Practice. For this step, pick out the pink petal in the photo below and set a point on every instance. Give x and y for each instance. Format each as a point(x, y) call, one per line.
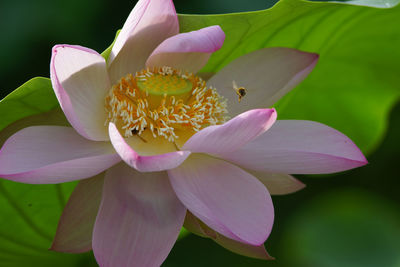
point(74, 231)
point(149, 23)
point(278, 183)
point(52, 117)
point(233, 134)
point(145, 163)
point(226, 198)
point(139, 219)
point(268, 74)
point(53, 154)
point(188, 51)
point(302, 147)
point(196, 226)
point(80, 81)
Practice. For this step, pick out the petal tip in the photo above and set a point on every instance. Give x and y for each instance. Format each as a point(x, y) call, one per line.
point(55, 48)
point(269, 258)
point(315, 59)
point(221, 35)
point(362, 162)
point(299, 186)
point(271, 116)
point(315, 56)
point(311, 59)
point(358, 158)
point(272, 112)
point(55, 247)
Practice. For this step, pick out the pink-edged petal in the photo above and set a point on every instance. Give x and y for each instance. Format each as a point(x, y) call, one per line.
point(139, 219)
point(226, 198)
point(52, 117)
point(188, 51)
point(74, 231)
point(149, 23)
point(145, 163)
point(300, 147)
point(278, 183)
point(230, 136)
point(53, 154)
point(268, 74)
point(197, 227)
point(80, 81)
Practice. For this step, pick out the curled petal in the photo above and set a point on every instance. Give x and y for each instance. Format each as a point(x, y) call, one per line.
point(197, 227)
point(74, 231)
point(149, 23)
point(80, 81)
point(226, 198)
point(144, 163)
point(188, 51)
point(300, 147)
point(268, 74)
point(53, 154)
point(139, 219)
point(230, 136)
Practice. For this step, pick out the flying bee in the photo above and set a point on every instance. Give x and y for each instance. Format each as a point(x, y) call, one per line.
point(240, 91)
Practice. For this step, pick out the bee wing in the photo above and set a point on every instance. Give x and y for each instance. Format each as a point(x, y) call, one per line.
point(231, 88)
point(234, 85)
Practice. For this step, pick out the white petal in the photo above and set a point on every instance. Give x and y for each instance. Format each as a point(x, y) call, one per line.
point(226, 198)
point(228, 137)
point(188, 51)
point(53, 154)
point(80, 81)
point(149, 23)
point(299, 147)
point(267, 74)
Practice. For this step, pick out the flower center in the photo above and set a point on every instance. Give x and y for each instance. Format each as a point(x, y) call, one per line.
point(165, 101)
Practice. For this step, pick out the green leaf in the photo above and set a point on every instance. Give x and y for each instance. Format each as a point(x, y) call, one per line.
point(356, 82)
point(106, 53)
point(29, 216)
point(33, 97)
point(347, 228)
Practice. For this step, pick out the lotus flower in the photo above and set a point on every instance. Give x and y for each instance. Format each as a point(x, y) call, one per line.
point(156, 149)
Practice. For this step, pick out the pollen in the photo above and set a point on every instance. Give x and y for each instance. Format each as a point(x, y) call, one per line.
point(164, 101)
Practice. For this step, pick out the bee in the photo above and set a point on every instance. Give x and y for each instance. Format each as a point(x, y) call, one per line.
point(240, 91)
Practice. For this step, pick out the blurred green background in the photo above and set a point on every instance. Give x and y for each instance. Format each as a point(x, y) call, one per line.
point(349, 219)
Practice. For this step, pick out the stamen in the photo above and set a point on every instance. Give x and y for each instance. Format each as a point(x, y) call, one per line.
point(163, 101)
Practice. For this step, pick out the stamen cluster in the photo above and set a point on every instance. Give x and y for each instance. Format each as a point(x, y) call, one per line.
point(134, 108)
